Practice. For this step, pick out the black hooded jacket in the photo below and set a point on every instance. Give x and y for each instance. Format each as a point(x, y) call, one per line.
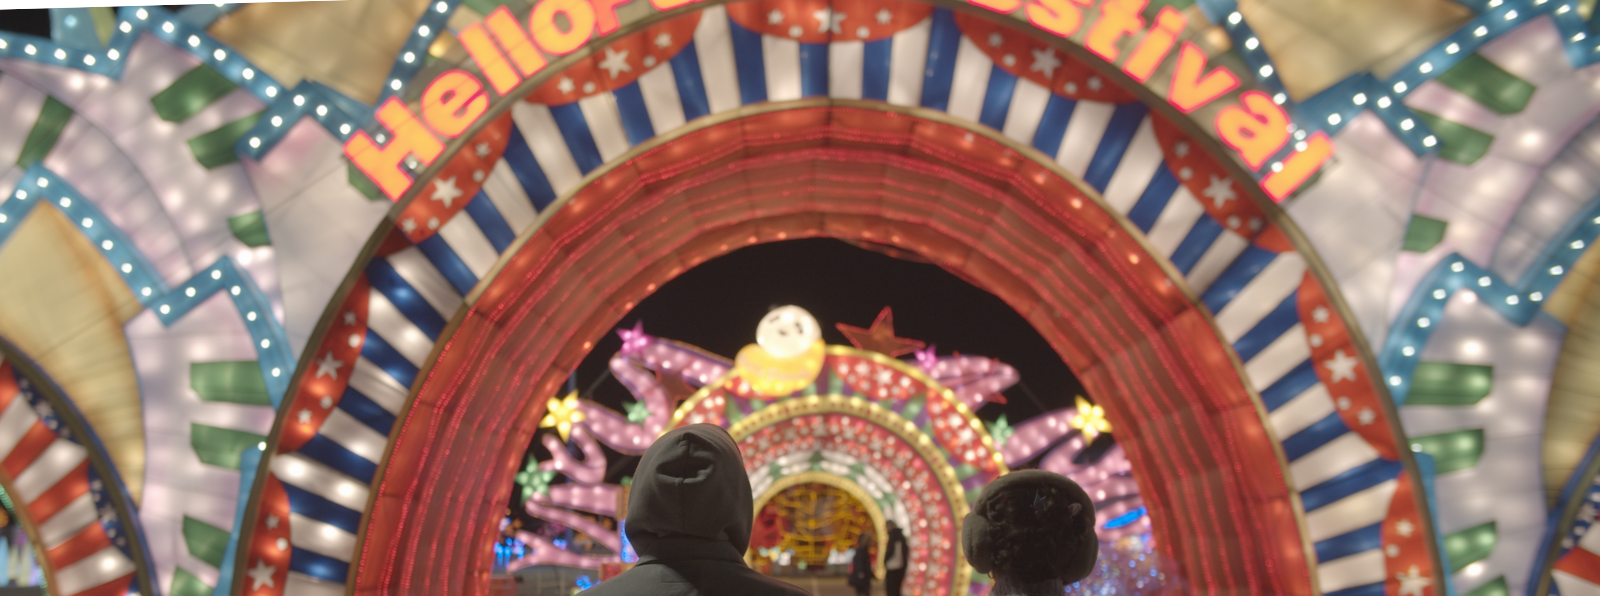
point(690, 514)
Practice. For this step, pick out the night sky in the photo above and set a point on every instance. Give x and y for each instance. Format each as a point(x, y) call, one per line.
point(717, 305)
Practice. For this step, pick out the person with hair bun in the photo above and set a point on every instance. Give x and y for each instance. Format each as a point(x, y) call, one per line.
point(1032, 532)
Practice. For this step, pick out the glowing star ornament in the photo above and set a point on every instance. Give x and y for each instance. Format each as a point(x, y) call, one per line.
point(786, 357)
point(880, 337)
point(1000, 430)
point(1091, 419)
point(638, 411)
point(534, 480)
point(563, 413)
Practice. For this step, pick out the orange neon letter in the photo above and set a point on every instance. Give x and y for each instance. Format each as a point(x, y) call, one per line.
point(1057, 16)
point(1155, 45)
point(1189, 90)
point(452, 102)
point(605, 12)
point(515, 41)
point(1117, 19)
point(1298, 168)
point(1000, 6)
point(580, 25)
point(1257, 128)
point(382, 165)
point(671, 4)
point(489, 59)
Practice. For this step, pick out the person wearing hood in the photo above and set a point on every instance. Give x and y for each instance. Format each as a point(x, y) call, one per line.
point(690, 512)
point(895, 557)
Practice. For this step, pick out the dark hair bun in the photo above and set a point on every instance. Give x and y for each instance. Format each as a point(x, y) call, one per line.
point(1032, 526)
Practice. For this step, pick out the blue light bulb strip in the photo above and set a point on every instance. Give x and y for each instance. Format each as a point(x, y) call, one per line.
point(41, 186)
point(338, 114)
point(1518, 303)
point(177, 32)
point(432, 22)
point(1335, 106)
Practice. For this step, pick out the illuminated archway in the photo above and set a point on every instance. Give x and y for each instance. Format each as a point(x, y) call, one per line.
point(1089, 285)
point(1252, 270)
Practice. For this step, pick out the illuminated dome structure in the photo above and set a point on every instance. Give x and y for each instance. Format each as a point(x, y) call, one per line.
point(290, 288)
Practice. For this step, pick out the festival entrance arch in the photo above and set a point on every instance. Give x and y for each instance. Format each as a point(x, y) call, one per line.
point(448, 389)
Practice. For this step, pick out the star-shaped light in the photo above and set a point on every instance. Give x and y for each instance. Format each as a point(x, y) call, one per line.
point(1000, 430)
point(880, 337)
point(616, 62)
point(828, 20)
point(565, 85)
point(349, 317)
point(562, 414)
point(261, 575)
point(409, 225)
point(1413, 583)
point(1404, 527)
point(304, 416)
point(638, 411)
point(884, 16)
point(1342, 366)
point(272, 522)
point(1045, 61)
point(1091, 419)
point(664, 40)
point(534, 480)
point(633, 339)
point(329, 366)
point(1220, 190)
point(1320, 314)
point(1367, 416)
point(445, 191)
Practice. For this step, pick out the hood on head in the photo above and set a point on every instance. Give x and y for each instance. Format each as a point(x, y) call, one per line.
point(691, 483)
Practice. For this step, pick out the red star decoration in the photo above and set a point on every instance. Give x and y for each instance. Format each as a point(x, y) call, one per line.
point(880, 337)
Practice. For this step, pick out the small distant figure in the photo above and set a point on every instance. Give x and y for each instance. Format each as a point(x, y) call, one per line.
point(894, 560)
point(690, 513)
point(1033, 532)
point(861, 565)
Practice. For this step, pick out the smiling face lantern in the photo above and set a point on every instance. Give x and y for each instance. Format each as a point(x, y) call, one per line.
point(786, 357)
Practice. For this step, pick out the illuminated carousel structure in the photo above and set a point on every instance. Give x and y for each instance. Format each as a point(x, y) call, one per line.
point(902, 437)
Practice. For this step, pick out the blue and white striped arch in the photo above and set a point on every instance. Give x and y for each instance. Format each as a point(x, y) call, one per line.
point(412, 291)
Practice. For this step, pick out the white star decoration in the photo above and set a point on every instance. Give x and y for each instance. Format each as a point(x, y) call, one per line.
point(304, 416)
point(272, 522)
point(995, 40)
point(1392, 550)
point(1045, 61)
point(1404, 527)
point(349, 317)
point(328, 365)
point(445, 191)
point(1413, 583)
point(1220, 191)
point(1342, 366)
point(616, 62)
point(565, 85)
point(884, 16)
point(1367, 416)
point(261, 575)
point(774, 17)
point(664, 40)
point(1320, 314)
point(828, 20)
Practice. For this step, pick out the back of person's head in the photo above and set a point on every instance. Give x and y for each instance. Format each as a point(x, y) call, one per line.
point(691, 483)
point(1033, 532)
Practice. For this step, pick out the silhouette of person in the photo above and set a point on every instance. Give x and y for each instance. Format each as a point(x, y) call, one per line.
point(690, 513)
point(861, 565)
point(896, 557)
point(1033, 532)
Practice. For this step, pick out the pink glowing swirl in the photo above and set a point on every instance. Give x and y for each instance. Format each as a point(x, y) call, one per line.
point(972, 378)
point(542, 552)
point(591, 470)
